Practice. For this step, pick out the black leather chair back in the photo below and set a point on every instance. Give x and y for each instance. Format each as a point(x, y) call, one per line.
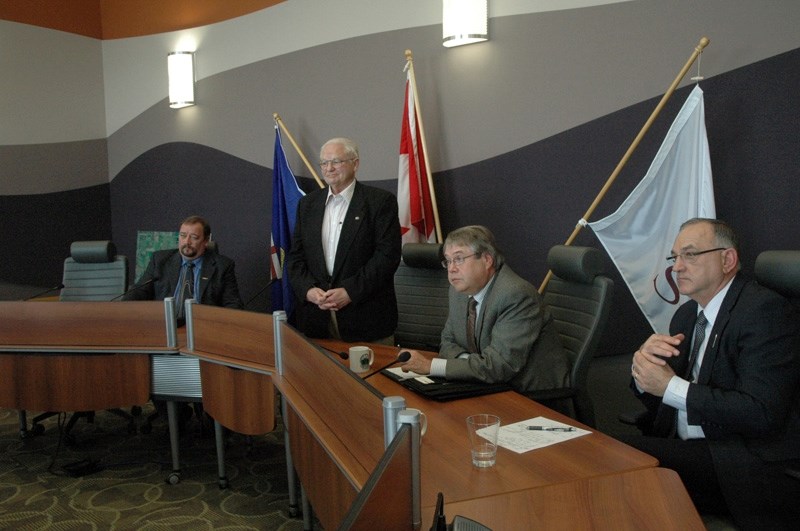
point(421, 286)
point(579, 297)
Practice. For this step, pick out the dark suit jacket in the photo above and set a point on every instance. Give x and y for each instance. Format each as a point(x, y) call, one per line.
point(218, 285)
point(516, 336)
point(746, 396)
point(366, 259)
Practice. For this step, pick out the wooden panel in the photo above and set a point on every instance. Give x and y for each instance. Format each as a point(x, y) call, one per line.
point(123, 18)
point(651, 499)
point(83, 325)
point(70, 382)
point(328, 489)
point(352, 409)
point(387, 496)
point(240, 400)
point(234, 335)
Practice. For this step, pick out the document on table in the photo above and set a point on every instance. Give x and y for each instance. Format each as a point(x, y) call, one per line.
point(397, 371)
point(518, 438)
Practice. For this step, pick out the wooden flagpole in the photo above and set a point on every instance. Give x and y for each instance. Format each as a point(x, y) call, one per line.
point(584, 220)
point(278, 120)
point(410, 65)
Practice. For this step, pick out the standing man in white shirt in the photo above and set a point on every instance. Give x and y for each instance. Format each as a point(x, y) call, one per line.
point(345, 251)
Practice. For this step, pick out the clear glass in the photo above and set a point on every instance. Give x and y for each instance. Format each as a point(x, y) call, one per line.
point(483, 430)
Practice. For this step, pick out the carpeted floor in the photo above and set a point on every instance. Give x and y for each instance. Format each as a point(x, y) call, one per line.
point(130, 492)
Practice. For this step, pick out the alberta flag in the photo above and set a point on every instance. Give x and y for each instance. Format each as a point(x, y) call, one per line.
point(413, 195)
point(285, 196)
point(640, 234)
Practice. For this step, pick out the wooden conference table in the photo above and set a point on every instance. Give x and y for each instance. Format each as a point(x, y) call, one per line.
point(48, 335)
point(446, 460)
point(79, 356)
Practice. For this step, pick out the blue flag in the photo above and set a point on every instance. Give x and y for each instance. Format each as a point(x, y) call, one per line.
point(285, 196)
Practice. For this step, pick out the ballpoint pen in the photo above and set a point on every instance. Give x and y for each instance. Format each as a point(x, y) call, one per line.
point(551, 428)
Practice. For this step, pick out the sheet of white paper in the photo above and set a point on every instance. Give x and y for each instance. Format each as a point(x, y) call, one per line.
point(518, 438)
point(397, 371)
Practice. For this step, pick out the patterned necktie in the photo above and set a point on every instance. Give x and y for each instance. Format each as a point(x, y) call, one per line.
point(471, 318)
point(699, 336)
point(187, 290)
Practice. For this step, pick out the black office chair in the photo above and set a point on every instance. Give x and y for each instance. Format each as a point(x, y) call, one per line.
point(780, 271)
point(579, 297)
point(422, 289)
point(93, 272)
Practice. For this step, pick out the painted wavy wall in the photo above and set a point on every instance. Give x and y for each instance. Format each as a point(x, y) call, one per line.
point(523, 130)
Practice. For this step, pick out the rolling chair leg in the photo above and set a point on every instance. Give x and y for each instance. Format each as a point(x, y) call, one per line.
point(220, 441)
point(172, 418)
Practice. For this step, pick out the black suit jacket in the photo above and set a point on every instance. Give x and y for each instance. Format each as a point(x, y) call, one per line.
point(746, 396)
point(366, 259)
point(218, 285)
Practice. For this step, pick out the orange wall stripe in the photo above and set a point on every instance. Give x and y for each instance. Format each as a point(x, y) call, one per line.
point(116, 19)
point(74, 16)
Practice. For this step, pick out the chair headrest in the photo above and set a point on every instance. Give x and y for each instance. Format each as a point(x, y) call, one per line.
point(576, 264)
point(780, 271)
point(423, 255)
point(93, 252)
point(212, 247)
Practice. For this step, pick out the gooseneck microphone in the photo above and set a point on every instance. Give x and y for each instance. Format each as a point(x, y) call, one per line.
point(403, 357)
point(343, 355)
point(134, 288)
point(48, 290)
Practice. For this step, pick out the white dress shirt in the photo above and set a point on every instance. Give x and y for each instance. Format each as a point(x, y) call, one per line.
point(335, 210)
point(678, 388)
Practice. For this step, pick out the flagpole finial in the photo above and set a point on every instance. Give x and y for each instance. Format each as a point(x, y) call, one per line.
point(276, 116)
point(408, 55)
point(702, 44)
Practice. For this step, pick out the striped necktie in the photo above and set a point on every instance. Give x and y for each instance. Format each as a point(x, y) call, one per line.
point(472, 315)
point(699, 336)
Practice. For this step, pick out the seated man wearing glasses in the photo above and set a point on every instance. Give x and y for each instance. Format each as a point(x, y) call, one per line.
point(345, 251)
point(722, 388)
point(497, 328)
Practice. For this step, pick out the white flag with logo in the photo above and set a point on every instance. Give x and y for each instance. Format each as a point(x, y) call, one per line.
point(640, 234)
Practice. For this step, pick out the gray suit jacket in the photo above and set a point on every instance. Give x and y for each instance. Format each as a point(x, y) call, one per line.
point(516, 337)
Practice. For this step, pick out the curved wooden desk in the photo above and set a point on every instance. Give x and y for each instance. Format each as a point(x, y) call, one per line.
point(446, 461)
point(78, 356)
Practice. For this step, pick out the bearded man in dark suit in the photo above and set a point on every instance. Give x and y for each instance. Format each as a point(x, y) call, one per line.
point(214, 275)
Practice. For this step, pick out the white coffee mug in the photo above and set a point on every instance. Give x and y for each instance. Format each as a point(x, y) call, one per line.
point(361, 358)
point(423, 420)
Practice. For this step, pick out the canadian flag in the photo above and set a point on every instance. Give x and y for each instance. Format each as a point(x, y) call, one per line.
point(413, 195)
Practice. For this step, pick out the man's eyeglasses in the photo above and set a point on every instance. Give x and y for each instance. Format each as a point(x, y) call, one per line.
point(690, 257)
point(458, 260)
point(336, 163)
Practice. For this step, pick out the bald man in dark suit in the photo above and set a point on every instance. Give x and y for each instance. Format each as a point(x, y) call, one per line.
point(345, 251)
point(726, 413)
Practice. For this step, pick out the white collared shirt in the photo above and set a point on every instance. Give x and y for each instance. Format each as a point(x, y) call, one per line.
point(336, 206)
point(678, 388)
